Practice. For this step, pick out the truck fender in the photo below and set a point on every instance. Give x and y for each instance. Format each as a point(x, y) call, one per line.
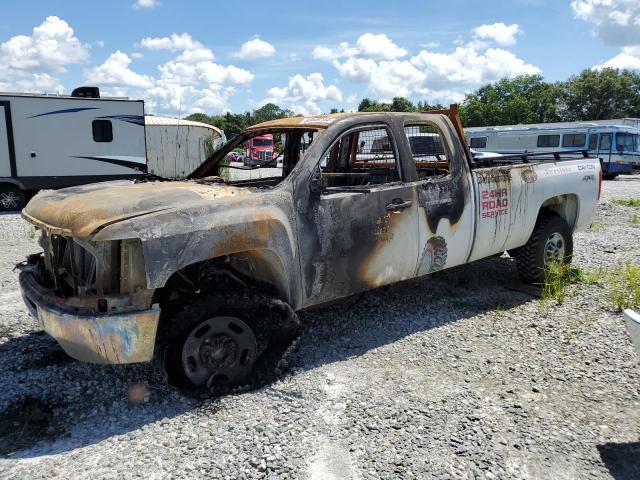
point(262, 249)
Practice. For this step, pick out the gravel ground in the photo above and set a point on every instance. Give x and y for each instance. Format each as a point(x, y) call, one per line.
point(456, 376)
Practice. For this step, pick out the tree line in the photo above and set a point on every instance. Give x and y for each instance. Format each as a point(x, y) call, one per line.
point(590, 95)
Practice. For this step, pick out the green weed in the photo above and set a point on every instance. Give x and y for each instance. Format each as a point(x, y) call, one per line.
point(626, 287)
point(596, 227)
point(630, 202)
point(557, 278)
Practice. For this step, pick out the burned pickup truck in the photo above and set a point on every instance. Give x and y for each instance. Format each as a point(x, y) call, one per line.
point(206, 274)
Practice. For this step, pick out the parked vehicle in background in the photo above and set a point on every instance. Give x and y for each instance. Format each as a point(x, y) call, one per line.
point(54, 141)
point(259, 151)
point(235, 156)
point(617, 145)
point(176, 147)
point(206, 274)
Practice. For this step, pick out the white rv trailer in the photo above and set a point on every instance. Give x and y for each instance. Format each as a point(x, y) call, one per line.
point(176, 147)
point(618, 145)
point(53, 141)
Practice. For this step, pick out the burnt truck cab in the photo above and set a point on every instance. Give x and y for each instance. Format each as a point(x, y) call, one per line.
point(355, 206)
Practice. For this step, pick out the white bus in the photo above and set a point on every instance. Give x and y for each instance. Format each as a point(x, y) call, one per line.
point(618, 146)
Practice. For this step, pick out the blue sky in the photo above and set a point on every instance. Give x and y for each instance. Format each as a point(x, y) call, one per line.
point(182, 57)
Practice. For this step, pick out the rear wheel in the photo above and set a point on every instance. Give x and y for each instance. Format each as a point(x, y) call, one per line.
point(222, 344)
point(551, 240)
point(12, 198)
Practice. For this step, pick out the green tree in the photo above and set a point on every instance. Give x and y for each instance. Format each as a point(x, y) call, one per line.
point(269, 111)
point(401, 104)
point(601, 94)
point(523, 99)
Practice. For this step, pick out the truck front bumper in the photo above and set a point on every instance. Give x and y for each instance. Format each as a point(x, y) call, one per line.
point(124, 337)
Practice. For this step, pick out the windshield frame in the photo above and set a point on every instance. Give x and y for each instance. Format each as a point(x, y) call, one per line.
point(210, 166)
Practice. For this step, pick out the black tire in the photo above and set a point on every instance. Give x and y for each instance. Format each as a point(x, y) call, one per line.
point(274, 326)
point(532, 257)
point(12, 199)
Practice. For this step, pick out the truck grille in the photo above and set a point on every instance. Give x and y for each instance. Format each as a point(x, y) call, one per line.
point(266, 156)
point(71, 267)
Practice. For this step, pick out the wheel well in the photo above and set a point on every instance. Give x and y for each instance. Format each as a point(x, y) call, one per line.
point(565, 206)
point(9, 182)
point(257, 269)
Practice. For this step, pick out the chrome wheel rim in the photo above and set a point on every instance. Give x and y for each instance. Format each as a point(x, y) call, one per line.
point(9, 200)
point(554, 249)
point(220, 350)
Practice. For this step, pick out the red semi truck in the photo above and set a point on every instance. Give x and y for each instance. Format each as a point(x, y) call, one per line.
point(259, 151)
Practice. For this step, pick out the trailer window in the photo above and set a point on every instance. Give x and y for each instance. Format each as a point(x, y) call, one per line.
point(102, 131)
point(605, 142)
point(593, 141)
point(478, 142)
point(548, 141)
point(428, 150)
point(573, 139)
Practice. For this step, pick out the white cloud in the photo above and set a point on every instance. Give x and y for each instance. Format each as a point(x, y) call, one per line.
point(628, 58)
point(254, 49)
point(33, 82)
point(617, 22)
point(173, 42)
point(115, 71)
point(27, 61)
point(188, 82)
point(50, 47)
point(302, 93)
point(498, 32)
point(368, 46)
point(430, 75)
point(146, 4)
point(379, 47)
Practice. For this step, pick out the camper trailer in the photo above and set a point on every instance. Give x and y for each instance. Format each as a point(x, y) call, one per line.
point(53, 141)
point(615, 142)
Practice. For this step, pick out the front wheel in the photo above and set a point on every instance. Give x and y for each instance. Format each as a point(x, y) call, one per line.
point(551, 241)
point(220, 344)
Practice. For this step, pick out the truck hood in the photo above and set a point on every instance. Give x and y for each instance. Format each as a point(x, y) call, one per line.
point(81, 211)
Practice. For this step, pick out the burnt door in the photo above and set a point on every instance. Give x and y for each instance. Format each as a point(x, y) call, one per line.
point(445, 201)
point(360, 228)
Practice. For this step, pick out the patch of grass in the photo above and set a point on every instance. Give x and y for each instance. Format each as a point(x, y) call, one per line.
point(596, 227)
point(626, 287)
point(635, 220)
point(557, 278)
point(592, 277)
point(630, 202)
point(32, 232)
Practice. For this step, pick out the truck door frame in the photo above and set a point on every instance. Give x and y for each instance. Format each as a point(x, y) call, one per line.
point(345, 272)
point(10, 142)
